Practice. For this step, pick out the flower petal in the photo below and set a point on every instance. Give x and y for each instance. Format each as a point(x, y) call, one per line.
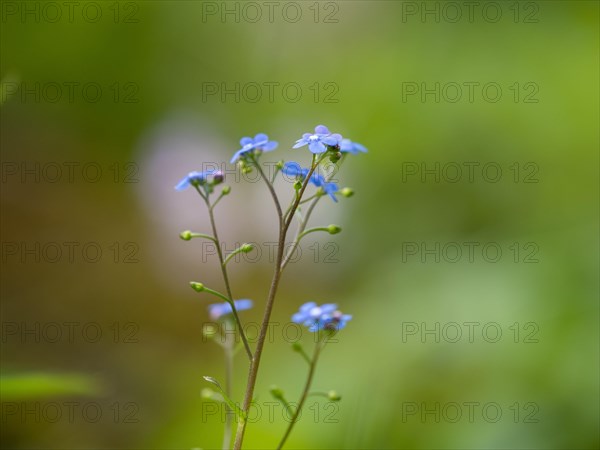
point(300, 143)
point(360, 147)
point(270, 146)
point(317, 147)
point(260, 138)
point(237, 155)
point(246, 141)
point(330, 140)
point(183, 184)
point(321, 129)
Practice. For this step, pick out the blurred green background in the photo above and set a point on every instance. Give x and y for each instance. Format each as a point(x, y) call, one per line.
point(141, 112)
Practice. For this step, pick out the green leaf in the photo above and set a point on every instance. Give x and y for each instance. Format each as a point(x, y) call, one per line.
point(229, 402)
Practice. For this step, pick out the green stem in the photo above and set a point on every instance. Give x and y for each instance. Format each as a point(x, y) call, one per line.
point(271, 189)
point(229, 352)
point(303, 222)
point(311, 373)
point(224, 272)
point(255, 362)
point(233, 253)
point(204, 236)
point(312, 230)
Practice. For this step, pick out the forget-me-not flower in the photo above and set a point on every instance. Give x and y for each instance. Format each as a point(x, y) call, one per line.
point(217, 310)
point(329, 187)
point(318, 142)
point(293, 169)
point(198, 178)
point(317, 317)
point(347, 146)
point(259, 142)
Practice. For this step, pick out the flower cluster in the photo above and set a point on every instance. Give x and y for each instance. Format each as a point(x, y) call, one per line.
point(324, 317)
point(320, 141)
point(260, 143)
point(327, 318)
point(206, 178)
point(293, 169)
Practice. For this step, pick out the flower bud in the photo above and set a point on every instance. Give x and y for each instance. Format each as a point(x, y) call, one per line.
point(334, 396)
point(347, 192)
point(335, 157)
point(276, 392)
point(218, 177)
point(297, 346)
point(298, 185)
point(246, 248)
point(333, 229)
point(246, 169)
point(186, 235)
point(198, 287)
point(226, 190)
point(279, 164)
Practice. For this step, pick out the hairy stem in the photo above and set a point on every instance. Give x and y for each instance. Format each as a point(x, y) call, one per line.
point(229, 352)
point(311, 373)
point(255, 362)
point(224, 272)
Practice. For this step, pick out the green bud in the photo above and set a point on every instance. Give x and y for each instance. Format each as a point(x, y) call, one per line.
point(226, 190)
point(276, 392)
point(198, 287)
point(246, 248)
point(335, 157)
point(334, 396)
point(297, 346)
point(246, 169)
point(298, 185)
point(279, 164)
point(333, 229)
point(320, 192)
point(347, 192)
point(186, 235)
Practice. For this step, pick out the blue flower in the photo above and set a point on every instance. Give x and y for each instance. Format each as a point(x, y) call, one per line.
point(260, 142)
point(217, 310)
point(293, 169)
point(318, 142)
point(347, 146)
point(321, 317)
point(329, 188)
point(198, 178)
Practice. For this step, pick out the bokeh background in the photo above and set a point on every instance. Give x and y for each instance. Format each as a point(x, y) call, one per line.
point(153, 119)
